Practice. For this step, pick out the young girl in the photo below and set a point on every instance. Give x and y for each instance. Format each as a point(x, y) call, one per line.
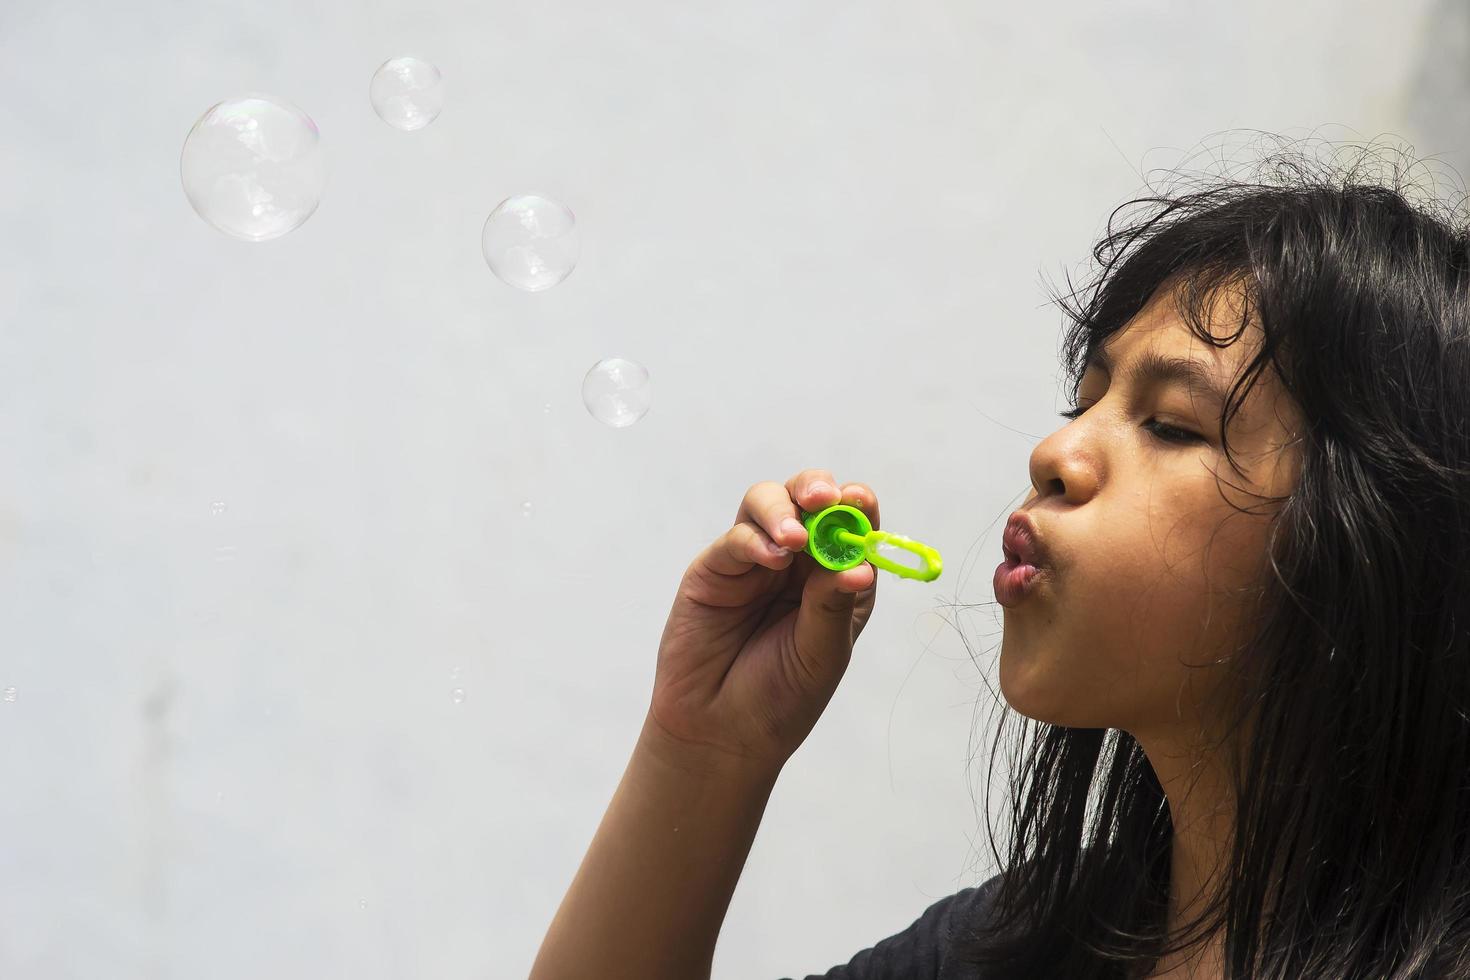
point(1243, 650)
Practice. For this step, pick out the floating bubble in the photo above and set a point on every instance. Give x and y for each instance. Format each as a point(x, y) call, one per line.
point(457, 695)
point(253, 167)
point(616, 391)
point(525, 508)
point(217, 508)
point(10, 694)
point(546, 409)
point(407, 93)
point(530, 242)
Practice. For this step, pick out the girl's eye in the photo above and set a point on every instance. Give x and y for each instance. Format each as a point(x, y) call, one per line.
point(1161, 430)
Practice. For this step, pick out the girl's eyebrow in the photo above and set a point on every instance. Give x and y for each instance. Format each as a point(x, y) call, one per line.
point(1152, 367)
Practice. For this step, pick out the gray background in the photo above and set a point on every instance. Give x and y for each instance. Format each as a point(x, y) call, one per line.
point(825, 229)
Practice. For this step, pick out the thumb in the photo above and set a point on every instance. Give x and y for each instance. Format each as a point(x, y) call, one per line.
point(824, 624)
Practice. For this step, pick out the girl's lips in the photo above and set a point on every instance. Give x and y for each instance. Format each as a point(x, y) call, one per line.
point(1021, 541)
point(1014, 580)
point(1025, 560)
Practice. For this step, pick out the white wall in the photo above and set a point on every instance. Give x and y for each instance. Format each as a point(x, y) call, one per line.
point(822, 226)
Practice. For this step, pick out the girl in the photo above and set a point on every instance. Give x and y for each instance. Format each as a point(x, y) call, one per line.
point(1241, 657)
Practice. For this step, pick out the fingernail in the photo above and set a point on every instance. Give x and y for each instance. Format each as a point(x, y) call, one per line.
point(819, 487)
point(791, 526)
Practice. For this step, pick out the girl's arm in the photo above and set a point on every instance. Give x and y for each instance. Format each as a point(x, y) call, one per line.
point(651, 894)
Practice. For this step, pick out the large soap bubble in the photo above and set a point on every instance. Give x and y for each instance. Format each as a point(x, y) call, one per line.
point(530, 242)
point(407, 93)
point(616, 391)
point(253, 167)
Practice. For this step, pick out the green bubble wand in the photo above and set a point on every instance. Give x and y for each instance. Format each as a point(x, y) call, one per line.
point(841, 536)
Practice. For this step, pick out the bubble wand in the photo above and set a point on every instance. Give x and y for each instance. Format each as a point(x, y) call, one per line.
point(841, 536)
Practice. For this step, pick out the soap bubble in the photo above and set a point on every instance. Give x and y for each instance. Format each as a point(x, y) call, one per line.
point(530, 242)
point(457, 695)
point(253, 167)
point(10, 694)
point(525, 508)
point(407, 93)
point(217, 508)
point(616, 391)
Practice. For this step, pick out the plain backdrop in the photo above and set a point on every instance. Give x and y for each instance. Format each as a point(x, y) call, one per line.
point(261, 505)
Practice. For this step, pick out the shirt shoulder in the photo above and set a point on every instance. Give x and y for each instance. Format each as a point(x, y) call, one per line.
point(921, 952)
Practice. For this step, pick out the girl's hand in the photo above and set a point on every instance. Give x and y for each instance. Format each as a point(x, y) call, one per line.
point(758, 639)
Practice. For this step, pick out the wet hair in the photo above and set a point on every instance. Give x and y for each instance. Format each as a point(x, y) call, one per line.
point(1346, 712)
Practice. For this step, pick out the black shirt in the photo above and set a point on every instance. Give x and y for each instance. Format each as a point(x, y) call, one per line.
point(922, 951)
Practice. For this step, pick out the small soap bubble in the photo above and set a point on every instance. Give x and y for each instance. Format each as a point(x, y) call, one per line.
point(530, 242)
point(525, 508)
point(10, 693)
point(224, 553)
point(362, 903)
point(217, 508)
point(546, 409)
point(407, 93)
point(454, 673)
point(457, 695)
point(253, 167)
point(616, 391)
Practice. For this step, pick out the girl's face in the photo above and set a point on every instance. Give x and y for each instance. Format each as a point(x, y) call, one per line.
point(1150, 566)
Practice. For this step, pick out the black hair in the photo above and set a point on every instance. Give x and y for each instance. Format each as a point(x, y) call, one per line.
point(1350, 855)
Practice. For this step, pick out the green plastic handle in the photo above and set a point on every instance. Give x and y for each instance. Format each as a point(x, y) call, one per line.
point(841, 537)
